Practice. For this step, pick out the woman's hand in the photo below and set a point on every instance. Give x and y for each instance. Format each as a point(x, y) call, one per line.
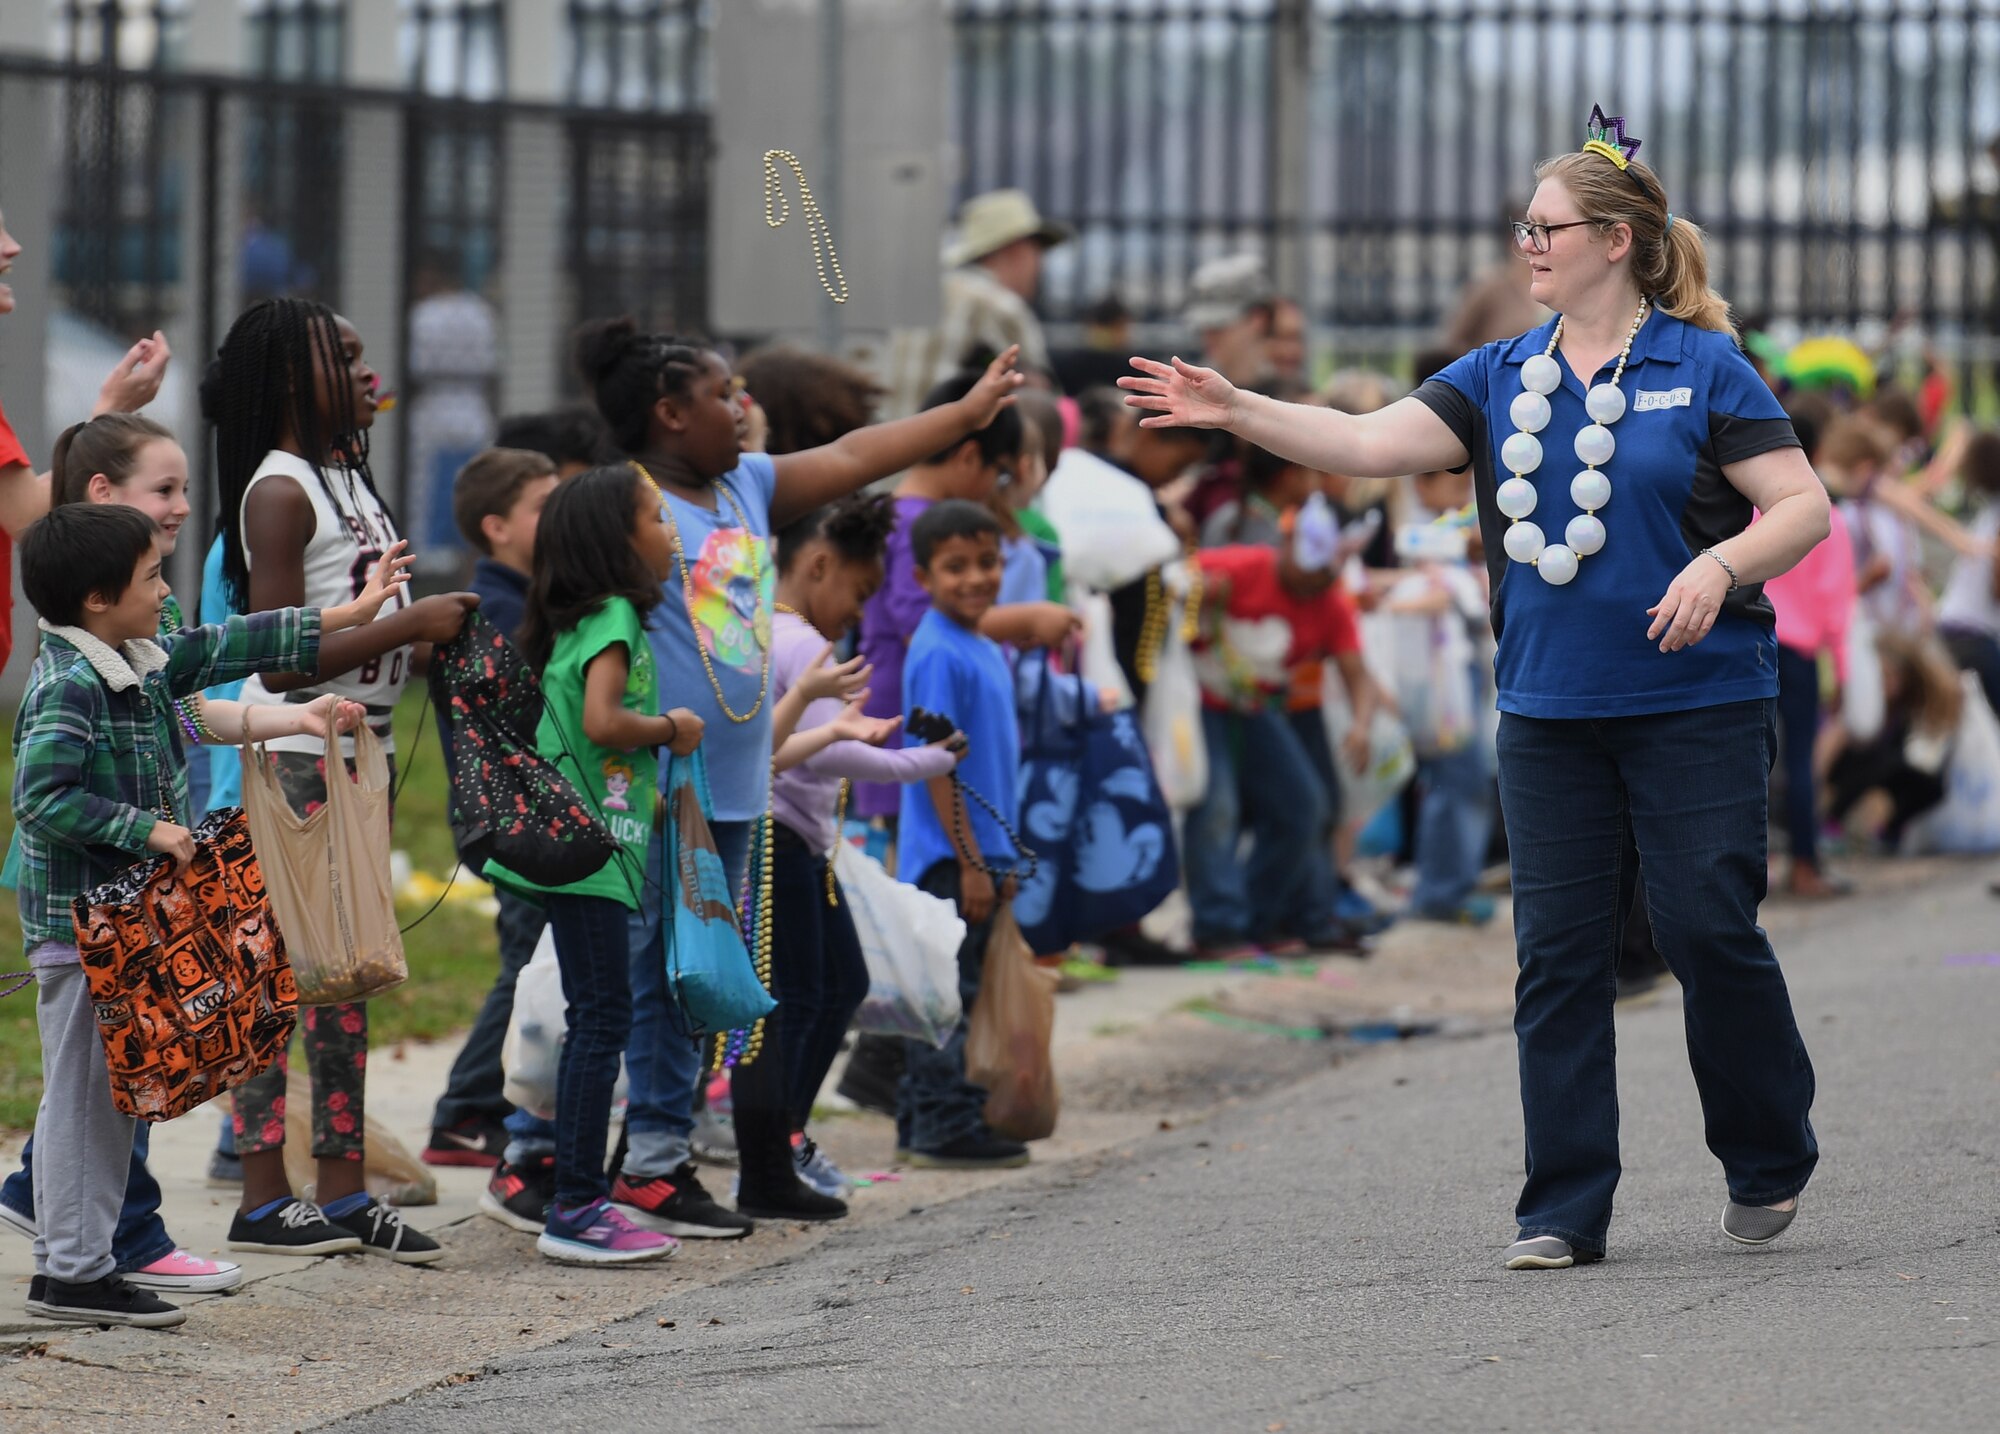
point(1692, 603)
point(135, 382)
point(1179, 395)
point(329, 716)
point(842, 681)
point(387, 578)
point(993, 392)
point(688, 730)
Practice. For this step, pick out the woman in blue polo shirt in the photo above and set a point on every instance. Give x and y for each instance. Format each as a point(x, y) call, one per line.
point(1618, 452)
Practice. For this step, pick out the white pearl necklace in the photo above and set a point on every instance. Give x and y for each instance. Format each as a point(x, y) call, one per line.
point(1522, 453)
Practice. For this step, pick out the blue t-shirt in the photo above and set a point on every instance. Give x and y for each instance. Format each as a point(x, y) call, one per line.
point(217, 779)
point(966, 677)
point(1693, 404)
point(734, 580)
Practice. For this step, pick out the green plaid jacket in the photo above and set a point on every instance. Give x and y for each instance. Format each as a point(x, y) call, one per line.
point(99, 755)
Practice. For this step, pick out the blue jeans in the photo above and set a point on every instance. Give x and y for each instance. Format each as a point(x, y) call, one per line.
point(1688, 791)
point(936, 1104)
point(594, 954)
point(1798, 721)
point(662, 1066)
point(141, 1236)
point(1454, 822)
point(1313, 905)
point(473, 1088)
point(1260, 776)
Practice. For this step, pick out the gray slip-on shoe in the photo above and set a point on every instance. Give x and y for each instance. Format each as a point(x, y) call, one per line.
point(1546, 1252)
point(1755, 1224)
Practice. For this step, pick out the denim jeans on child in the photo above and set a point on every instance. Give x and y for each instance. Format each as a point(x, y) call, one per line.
point(141, 1236)
point(662, 1066)
point(1313, 907)
point(1260, 776)
point(474, 1087)
point(1688, 791)
point(1454, 821)
point(593, 948)
point(936, 1104)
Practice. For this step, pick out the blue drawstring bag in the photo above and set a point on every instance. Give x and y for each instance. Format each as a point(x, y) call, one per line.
point(711, 984)
point(1092, 812)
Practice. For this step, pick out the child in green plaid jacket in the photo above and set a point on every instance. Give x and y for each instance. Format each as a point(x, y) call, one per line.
point(101, 779)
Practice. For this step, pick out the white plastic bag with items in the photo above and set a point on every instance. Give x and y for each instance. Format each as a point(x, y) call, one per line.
point(1170, 721)
point(533, 1046)
point(910, 940)
point(1431, 663)
point(1967, 822)
point(1861, 697)
point(1392, 762)
point(1112, 531)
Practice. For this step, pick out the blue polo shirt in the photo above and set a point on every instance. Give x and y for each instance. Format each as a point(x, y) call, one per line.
point(1693, 405)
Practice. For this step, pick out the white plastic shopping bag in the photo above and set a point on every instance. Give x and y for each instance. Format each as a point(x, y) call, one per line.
point(1112, 531)
point(1097, 664)
point(533, 1045)
point(910, 940)
point(1967, 822)
point(1392, 762)
point(1861, 698)
point(1170, 721)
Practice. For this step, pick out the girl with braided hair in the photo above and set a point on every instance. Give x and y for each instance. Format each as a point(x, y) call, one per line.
point(675, 410)
point(292, 400)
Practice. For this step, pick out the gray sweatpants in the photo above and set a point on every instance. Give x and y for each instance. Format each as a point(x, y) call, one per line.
point(83, 1144)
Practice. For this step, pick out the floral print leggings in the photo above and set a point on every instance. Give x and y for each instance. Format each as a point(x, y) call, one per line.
point(336, 1037)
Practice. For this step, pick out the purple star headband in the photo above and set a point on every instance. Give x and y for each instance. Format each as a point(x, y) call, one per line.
point(1608, 138)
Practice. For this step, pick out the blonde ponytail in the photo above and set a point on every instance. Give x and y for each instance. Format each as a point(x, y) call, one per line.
point(1669, 258)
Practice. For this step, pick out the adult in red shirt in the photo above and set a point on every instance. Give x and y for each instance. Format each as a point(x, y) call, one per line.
point(24, 494)
point(1267, 617)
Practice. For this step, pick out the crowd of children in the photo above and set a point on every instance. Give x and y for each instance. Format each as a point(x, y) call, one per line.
point(694, 564)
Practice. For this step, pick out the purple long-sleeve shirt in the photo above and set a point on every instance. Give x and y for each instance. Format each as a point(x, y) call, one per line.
point(887, 624)
point(804, 797)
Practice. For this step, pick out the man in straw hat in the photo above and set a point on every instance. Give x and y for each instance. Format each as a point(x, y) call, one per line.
point(991, 274)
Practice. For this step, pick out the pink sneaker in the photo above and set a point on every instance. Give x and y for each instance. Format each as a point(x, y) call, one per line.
point(599, 1234)
point(188, 1274)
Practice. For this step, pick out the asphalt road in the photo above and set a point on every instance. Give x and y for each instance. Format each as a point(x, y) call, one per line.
point(1325, 1259)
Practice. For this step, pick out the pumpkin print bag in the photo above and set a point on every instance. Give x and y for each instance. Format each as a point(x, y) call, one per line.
point(188, 973)
point(507, 803)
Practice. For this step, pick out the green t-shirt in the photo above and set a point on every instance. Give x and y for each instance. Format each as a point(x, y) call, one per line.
point(1037, 526)
point(621, 787)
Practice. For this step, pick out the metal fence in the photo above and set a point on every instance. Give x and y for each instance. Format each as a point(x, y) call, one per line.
point(465, 239)
point(1837, 153)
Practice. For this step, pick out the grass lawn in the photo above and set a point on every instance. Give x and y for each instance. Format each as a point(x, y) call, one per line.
point(452, 955)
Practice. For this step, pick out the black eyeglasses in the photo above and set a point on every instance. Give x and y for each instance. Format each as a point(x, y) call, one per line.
point(1535, 237)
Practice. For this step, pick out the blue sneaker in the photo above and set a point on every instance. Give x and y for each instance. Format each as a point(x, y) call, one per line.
point(1361, 913)
point(599, 1235)
point(1476, 910)
point(817, 1169)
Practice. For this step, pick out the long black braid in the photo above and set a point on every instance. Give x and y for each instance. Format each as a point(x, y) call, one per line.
point(260, 384)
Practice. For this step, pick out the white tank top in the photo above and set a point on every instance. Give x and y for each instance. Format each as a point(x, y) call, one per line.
point(349, 538)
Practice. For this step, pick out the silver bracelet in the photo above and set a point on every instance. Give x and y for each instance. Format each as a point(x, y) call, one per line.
point(1734, 581)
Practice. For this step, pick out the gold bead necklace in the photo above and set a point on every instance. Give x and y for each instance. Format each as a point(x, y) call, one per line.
point(687, 596)
point(777, 209)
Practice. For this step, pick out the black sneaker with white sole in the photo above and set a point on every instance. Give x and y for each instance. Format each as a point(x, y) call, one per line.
point(295, 1228)
point(518, 1196)
point(678, 1205)
point(107, 1301)
point(381, 1230)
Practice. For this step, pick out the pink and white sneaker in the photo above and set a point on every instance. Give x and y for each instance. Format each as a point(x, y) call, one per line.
point(599, 1234)
point(186, 1273)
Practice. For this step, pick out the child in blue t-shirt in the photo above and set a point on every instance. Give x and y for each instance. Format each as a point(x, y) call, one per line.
point(951, 846)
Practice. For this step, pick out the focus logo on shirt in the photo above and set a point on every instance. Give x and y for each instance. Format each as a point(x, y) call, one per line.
point(1646, 400)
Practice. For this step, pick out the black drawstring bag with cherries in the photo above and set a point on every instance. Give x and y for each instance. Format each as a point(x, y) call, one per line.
point(508, 803)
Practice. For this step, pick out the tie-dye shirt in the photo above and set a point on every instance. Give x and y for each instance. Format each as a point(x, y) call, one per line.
point(734, 577)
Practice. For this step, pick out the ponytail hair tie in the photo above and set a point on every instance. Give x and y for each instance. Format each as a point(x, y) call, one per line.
point(1670, 224)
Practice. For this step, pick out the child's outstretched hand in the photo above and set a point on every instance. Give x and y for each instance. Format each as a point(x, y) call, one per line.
point(854, 725)
point(384, 581)
point(329, 716)
point(994, 391)
point(842, 681)
point(688, 730)
point(957, 744)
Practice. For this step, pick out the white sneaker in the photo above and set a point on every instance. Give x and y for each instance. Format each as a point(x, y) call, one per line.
point(817, 1169)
